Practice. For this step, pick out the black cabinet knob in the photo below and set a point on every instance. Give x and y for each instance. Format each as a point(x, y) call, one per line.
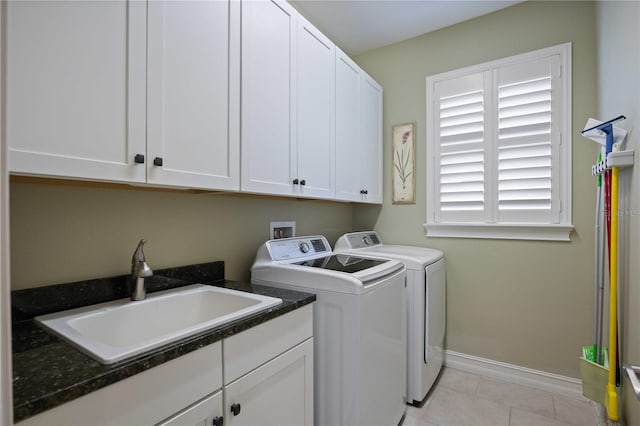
point(365, 192)
point(139, 159)
point(296, 181)
point(157, 161)
point(303, 182)
point(218, 421)
point(235, 409)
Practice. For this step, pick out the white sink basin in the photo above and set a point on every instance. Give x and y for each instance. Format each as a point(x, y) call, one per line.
point(113, 331)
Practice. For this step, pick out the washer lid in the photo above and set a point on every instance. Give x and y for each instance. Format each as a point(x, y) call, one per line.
point(342, 263)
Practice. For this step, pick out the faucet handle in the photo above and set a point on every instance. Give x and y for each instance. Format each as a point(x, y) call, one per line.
point(138, 255)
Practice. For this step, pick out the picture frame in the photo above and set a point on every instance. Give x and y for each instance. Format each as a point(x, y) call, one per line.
point(403, 148)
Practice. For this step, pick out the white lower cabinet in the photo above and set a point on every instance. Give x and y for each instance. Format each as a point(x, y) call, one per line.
point(146, 398)
point(268, 380)
point(268, 372)
point(279, 393)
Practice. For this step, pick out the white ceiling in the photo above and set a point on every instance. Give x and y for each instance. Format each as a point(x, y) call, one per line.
point(360, 25)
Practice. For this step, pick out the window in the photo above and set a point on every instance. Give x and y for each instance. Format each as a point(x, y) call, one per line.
point(499, 148)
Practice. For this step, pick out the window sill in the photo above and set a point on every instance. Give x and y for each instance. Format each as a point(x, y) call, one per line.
point(540, 232)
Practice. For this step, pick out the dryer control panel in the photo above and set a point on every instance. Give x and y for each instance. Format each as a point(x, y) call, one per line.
point(357, 240)
point(298, 247)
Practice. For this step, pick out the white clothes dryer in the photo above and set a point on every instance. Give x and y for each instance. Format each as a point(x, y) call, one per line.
point(426, 305)
point(359, 327)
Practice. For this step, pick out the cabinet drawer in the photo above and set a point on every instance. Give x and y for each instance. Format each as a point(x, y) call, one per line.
point(145, 398)
point(272, 338)
point(201, 413)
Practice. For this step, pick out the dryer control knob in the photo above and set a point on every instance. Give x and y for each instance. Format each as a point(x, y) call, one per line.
point(304, 247)
point(366, 240)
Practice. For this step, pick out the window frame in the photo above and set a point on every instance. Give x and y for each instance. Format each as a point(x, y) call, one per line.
point(561, 157)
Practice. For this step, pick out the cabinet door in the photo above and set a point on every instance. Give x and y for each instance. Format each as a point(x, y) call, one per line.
point(316, 134)
point(75, 88)
point(193, 92)
point(268, 97)
point(279, 393)
point(202, 413)
point(348, 150)
point(371, 139)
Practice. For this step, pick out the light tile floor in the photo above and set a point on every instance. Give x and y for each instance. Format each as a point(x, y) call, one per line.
point(465, 399)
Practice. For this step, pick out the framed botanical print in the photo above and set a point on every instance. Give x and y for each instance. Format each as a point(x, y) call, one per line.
point(403, 145)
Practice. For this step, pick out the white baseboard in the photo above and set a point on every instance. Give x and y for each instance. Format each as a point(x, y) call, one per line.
point(536, 379)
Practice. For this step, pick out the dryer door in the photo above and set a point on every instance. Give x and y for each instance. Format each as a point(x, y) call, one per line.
point(435, 312)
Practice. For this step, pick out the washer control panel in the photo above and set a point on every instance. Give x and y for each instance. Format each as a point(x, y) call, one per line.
point(298, 247)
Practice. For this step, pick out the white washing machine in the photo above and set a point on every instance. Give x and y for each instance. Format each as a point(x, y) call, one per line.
point(359, 327)
point(426, 307)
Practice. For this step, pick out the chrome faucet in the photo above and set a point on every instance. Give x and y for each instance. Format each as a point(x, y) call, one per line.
point(139, 271)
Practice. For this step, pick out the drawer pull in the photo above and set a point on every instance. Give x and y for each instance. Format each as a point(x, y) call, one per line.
point(235, 409)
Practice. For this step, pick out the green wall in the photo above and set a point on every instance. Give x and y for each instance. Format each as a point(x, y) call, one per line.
point(65, 233)
point(527, 303)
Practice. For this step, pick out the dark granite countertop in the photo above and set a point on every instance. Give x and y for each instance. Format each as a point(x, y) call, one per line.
point(48, 371)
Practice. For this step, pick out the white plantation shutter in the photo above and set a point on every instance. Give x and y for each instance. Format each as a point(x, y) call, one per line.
point(461, 125)
point(495, 148)
point(526, 140)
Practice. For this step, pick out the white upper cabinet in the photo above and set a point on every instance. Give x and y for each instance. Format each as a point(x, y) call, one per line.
point(347, 129)
point(370, 139)
point(316, 112)
point(75, 89)
point(268, 162)
point(358, 133)
point(220, 95)
point(95, 93)
point(193, 94)
point(287, 103)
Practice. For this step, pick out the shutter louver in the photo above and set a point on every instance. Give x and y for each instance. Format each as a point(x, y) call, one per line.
point(525, 147)
point(462, 152)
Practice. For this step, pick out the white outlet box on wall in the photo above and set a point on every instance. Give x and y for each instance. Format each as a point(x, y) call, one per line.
point(282, 230)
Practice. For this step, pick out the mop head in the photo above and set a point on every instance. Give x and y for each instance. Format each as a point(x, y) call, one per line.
point(619, 134)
